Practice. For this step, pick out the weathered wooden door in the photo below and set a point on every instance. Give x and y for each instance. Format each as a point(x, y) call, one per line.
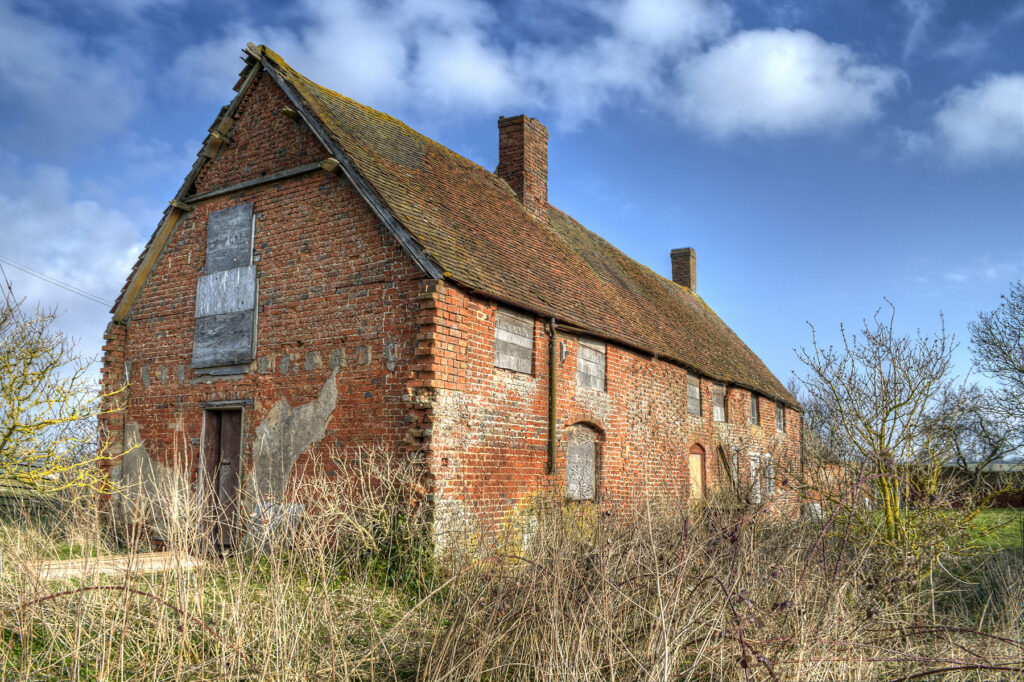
point(696, 472)
point(222, 445)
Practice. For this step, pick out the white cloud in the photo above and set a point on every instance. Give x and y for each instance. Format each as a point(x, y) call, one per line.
point(970, 274)
point(48, 226)
point(380, 54)
point(921, 13)
point(780, 82)
point(985, 121)
point(411, 58)
point(447, 55)
point(57, 91)
point(131, 8)
point(664, 23)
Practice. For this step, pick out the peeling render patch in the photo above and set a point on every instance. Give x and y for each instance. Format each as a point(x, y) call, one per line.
point(282, 436)
point(146, 489)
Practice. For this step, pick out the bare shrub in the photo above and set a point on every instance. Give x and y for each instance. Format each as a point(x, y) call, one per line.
point(880, 395)
point(48, 404)
point(717, 592)
point(656, 590)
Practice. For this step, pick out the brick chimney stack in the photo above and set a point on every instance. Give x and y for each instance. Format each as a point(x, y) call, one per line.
point(523, 161)
point(684, 268)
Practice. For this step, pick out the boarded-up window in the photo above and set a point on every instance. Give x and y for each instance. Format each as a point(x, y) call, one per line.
point(693, 394)
point(513, 341)
point(754, 415)
point(591, 363)
point(696, 465)
point(581, 463)
point(229, 238)
point(226, 294)
point(780, 417)
point(718, 395)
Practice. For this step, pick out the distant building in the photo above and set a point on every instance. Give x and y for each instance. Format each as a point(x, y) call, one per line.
point(1003, 479)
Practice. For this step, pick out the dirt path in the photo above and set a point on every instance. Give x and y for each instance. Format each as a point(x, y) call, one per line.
point(152, 562)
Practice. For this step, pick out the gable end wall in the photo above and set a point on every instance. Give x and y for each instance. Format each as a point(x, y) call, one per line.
point(337, 308)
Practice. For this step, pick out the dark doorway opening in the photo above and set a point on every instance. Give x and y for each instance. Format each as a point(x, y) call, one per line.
point(221, 467)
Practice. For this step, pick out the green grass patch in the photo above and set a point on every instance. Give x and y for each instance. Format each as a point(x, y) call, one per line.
point(998, 529)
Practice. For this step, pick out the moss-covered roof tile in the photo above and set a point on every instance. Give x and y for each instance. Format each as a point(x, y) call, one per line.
point(469, 222)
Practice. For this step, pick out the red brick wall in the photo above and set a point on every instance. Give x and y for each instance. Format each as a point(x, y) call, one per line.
point(262, 140)
point(112, 377)
point(523, 161)
point(335, 291)
point(829, 483)
point(488, 451)
point(414, 358)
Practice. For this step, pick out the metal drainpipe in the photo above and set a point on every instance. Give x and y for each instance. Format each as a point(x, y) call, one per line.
point(552, 395)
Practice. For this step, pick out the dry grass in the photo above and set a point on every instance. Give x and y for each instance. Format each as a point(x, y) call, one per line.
point(656, 592)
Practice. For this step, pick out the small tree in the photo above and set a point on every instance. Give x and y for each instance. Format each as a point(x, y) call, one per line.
point(979, 435)
point(48, 405)
point(997, 345)
point(875, 398)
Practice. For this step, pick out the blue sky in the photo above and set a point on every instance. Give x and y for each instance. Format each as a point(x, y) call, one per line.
point(819, 155)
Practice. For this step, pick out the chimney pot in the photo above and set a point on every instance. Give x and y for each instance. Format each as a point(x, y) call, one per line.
point(523, 161)
point(684, 268)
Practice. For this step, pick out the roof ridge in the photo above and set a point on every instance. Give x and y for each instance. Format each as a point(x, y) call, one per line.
point(651, 270)
point(280, 62)
point(471, 224)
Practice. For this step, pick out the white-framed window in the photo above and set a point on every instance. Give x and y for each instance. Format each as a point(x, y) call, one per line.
point(780, 417)
point(718, 395)
point(591, 364)
point(755, 417)
point(762, 476)
point(693, 394)
point(513, 341)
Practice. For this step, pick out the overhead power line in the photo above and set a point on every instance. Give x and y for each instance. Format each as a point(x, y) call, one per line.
point(56, 282)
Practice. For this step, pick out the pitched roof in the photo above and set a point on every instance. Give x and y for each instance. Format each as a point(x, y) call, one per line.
point(469, 223)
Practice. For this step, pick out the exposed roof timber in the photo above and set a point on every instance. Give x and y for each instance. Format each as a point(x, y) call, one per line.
point(172, 216)
point(219, 131)
point(364, 188)
point(328, 164)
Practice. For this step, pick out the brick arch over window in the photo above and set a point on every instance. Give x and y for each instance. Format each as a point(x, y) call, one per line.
point(580, 416)
point(581, 459)
point(697, 468)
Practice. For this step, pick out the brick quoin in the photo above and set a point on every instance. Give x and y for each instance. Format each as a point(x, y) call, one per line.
point(412, 356)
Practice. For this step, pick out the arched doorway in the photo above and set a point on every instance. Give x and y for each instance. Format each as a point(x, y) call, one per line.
point(697, 471)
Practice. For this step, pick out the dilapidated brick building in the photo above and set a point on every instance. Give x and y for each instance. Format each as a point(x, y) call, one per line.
point(327, 277)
